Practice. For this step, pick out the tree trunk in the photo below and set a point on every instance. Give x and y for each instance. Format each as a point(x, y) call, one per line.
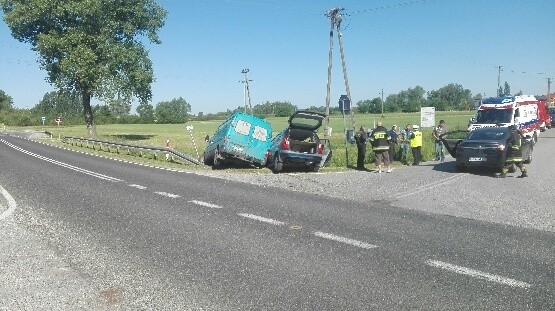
point(91, 128)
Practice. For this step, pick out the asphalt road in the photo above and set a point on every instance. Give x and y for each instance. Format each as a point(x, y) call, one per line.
point(89, 233)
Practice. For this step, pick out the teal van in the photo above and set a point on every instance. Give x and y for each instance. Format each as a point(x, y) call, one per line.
point(241, 137)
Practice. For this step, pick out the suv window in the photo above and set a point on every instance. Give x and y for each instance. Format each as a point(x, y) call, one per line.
point(243, 127)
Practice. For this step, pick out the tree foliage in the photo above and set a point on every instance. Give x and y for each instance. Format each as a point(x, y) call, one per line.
point(6, 101)
point(175, 111)
point(93, 47)
point(59, 104)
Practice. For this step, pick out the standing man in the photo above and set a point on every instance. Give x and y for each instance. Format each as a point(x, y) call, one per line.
point(393, 142)
point(405, 147)
point(380, 145)
point(438, 144)
point(360, 139)
point(514, 154)
point(416, 144)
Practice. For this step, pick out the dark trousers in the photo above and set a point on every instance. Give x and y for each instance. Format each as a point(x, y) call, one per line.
point(416, 155)
point(392, 151)
point(361, 154)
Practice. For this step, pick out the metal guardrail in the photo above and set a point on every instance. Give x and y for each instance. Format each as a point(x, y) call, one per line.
point(170, 153)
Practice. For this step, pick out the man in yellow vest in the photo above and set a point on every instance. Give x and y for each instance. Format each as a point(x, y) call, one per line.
point(415, 141)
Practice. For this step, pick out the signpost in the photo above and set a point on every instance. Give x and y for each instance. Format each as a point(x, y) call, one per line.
point(58, 120)
point(43, 120)
point(427, 116)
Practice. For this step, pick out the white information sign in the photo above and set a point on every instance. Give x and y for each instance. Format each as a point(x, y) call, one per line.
point(427, 116)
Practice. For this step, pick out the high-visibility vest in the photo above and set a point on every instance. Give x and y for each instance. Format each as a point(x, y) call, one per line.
point(417, 140)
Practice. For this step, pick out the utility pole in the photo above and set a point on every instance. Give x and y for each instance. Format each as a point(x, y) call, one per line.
point(382, 104)
point(247, 93)
point(335, 21)
point(548, 91)
point(499, 69)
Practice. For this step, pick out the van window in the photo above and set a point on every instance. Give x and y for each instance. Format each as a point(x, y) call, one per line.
point(243, 127)
point(260, 133)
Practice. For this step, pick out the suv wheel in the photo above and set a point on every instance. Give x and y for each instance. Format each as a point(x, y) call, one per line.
point(217, 161)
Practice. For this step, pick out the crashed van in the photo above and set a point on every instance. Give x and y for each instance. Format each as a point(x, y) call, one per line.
point(240, 138)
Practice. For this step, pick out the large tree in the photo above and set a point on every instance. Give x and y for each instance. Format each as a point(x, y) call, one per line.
point(93, 47)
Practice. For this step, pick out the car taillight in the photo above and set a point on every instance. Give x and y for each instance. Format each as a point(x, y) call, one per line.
point(285, 143)
point(320, 148)
point(268, 154)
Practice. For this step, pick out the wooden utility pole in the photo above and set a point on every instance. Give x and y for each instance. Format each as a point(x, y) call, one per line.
point(499, 69)
point(335, 21)
point(548, 91)
point(247, 93)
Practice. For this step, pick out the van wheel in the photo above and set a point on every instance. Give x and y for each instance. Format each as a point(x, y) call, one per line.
point(278, 165)
point(217, 161)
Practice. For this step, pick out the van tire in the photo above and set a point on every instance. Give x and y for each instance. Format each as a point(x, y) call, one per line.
point(217, 161)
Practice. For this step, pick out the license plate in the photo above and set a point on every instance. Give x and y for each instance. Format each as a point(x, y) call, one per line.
point(473, 159)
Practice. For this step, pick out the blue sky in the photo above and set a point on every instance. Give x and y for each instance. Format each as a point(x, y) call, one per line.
point(389, 45)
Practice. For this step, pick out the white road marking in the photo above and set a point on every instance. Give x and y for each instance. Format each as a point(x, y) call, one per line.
point(344, 240)
point(138, 187)
point(71, 167)
point(430, 186)
point(206, 204)
point(169, 195)
point(478, 274)
point(11, 203)
point(262, 219)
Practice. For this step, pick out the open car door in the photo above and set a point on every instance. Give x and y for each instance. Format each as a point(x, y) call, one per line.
point(451, 139)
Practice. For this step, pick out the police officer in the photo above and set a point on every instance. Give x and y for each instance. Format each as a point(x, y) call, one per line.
point(415, 141)
point(360, 139)
point(514, 154)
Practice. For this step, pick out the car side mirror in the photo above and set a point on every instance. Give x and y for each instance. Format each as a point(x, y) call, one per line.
point(207, 138)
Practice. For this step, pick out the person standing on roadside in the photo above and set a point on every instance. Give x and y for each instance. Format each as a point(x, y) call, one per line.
point(360, 139)
point(404, 143)
point(439, 149)
point(393, 142)
point(416, 144)
point(380, 145)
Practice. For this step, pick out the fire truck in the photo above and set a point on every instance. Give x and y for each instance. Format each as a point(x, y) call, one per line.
point(529, 114)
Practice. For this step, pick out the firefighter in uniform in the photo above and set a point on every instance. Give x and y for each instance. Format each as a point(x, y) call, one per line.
point(380, 145)
point(360, 139)
point(415, 141)
point(514, 154)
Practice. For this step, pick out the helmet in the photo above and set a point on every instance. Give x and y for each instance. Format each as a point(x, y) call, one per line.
point(415, 127)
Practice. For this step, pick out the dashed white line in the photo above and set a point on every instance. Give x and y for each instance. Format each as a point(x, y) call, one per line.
point(478, 274)
point(344, 240)
point(431, 186)
point(169, 195)
point(138, 186)
point(206, 204)
point(262, 219)
point(11, 204)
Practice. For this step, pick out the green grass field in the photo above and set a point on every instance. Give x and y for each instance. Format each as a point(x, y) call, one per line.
point(182, 141)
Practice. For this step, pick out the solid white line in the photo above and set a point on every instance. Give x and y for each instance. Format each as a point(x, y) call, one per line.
point(206, 204)
point(478, 274)
point(263, 219)
point(169, 195)
point(11, 204)
point(71, 167)
point(344, 240)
